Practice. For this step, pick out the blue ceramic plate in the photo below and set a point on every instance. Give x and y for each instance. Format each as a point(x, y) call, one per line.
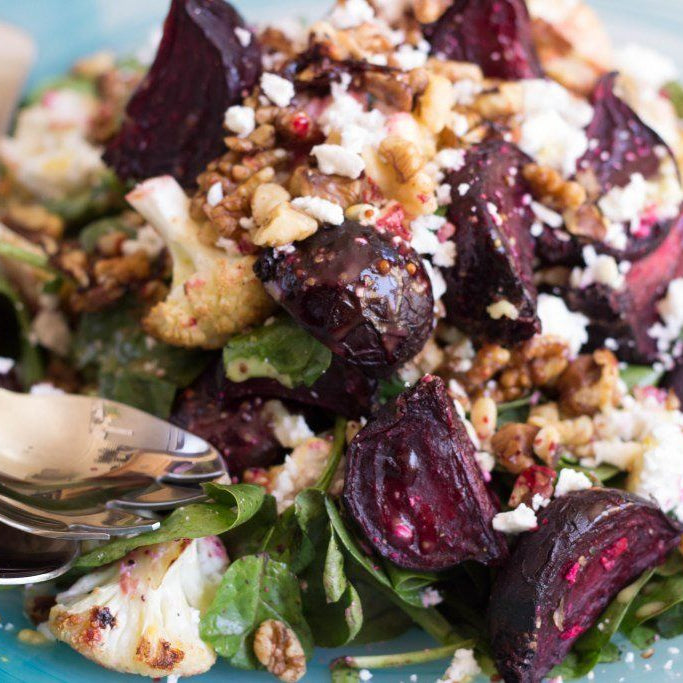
point(67, 29)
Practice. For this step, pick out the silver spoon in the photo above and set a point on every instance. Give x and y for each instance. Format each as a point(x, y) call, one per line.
point(79, 467)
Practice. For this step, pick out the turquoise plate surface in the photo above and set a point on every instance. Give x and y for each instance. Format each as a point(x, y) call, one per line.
point(67, 29)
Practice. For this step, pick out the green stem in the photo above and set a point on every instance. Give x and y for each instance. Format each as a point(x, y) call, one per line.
point(18, 254)
point(399, 660)
point(327, 476)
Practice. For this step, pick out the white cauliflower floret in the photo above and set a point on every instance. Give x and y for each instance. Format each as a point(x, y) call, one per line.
point(49, 154)
point(141, 614)
point(213, 294)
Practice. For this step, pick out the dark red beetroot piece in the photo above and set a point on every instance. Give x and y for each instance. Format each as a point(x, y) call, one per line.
point(622, 144)
point(626, 315)
point(173, 123)
point(495, 34)
point(673, 380)
point(363, 293)
point(494, 246)
point(588, 546)
point(414, 488)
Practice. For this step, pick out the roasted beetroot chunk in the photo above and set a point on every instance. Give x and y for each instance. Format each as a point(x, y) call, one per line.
point(621, 145)
point(673, 380)
point(588, 546)
point(626, 315)
point(414, 487)
point(495, 34)
point(360, 292)
point(173, 123)
point(494, 247)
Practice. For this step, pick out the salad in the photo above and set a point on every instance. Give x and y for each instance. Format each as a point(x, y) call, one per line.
point(415, 270)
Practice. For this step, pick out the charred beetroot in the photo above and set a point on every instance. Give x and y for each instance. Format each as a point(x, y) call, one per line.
point(173, 123)
point(414, 488)
point(588, 546)
point(493, 237)
point(621, 145)
point(495, 34)
point(363, 293)
point(627, 314)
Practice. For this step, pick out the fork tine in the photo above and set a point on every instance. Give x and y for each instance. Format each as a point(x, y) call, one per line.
point(115, 522)
point(159, 497)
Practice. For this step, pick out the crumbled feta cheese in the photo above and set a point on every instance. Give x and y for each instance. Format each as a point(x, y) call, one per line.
point(240, 120)
point(629, 657)
point(229, 246)
point(215, 194)
point(45, 389)
point(465, 90)
point(336, 160)
point(321, 209)
point(243, 36)
point(425, 240)
point(553, 12)
point(600, 269)
point(430, 597)
point(647, 67)
point(521, 519)
point(6, 365)
point(437, 280)
point(485, 460)
point(546, 215)
point(502, 309)
point(549, 139)
point(408, 57)
point(450, 158)
point(364, 675)
point(538, 502)
point(463, 667)
point(278, 90)
point(443, 194)
point(571, 480)
point(543, 94)
point(463, 189)
point(148, 240)
point(351, 13)
point(626, 204)
point(670, 310)
point(290, 430)
point(559, 321)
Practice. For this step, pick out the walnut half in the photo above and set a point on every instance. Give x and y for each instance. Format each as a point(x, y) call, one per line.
point(280, 651)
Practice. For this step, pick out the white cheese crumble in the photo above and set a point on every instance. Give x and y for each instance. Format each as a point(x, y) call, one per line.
point(290, 430)
point(553, 12)
point(6, 365)
point(46, 389)
point(425, 240)
point(538, 501)
point(322, 210)
point(557, 320)
point(463, 667)
point(451, 159)
point(351, 13)
point(278, 90)
point(215, 194)
point(600, 269)
point(148, 240)
point(337, 160)
point(364, 675)
point(430, 597)
point(243, 36)
point(647, 67)
point(502, 309)
point(443, 194)
point(547, 216)
point(521, 519)
point(670, 310)
point(240, 120)
point(408, 57)
point(571, 480)
point(437, 280)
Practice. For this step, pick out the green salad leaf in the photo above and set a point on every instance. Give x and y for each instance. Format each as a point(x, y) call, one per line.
point(254, 588)
point(91, 233)
point(280, 350)
point(235, 505)
point(641, 376)
point(130, 367)
point(674, 90)
point(80, 84)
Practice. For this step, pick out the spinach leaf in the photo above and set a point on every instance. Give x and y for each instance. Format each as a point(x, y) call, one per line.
point(14, 340)
point(80, 84)
point(236, 505)
point(254, 588)
point(389, 389)
point(409, 584)
point(674, 90)
point(281, 350)
point(130, 367)
point(514, 411)
point(91, 233)
point(334, 578)
point(640, 376)
point(594, 645)
point(251, 538)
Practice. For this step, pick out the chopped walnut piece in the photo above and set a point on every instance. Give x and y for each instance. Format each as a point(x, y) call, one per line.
point(428, 11)
point(403, 156)
point(512, 445)
point(590, 384)
point(549, 187)
point(310, 182)
point(391, 88)
point(284, 225)
point(122, 270)
point(279, 650)
point(586, 221)
point(34, 218)
point(455, 71)
point(506, 100)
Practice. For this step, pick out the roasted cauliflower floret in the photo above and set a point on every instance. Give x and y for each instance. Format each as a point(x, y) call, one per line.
point(141, 614)
point(49, 154)
point(213, 294)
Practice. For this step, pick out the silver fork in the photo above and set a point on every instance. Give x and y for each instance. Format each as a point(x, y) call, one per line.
point(77, 467)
